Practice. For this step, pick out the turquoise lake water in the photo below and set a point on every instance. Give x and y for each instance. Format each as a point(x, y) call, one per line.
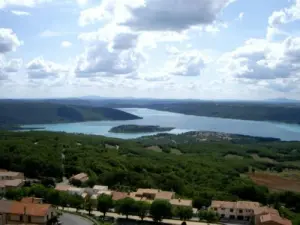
point(182, 123)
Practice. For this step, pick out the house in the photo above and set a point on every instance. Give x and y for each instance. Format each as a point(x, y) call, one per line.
point(181, 202)
point(244, 210)
point(12, 212)
point(83, 177)
point(10, 175)
point(10, 184)
point(241, 210)
point(271, 219)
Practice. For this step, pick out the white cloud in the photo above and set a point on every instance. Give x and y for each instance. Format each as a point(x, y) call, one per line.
point(158, 15)
point(8, 40)
point(260, 59)
point(24, 3)
point(108, 54)
point(50, 33)
point(7, 67)
point(66, 44)
point(285, 15)
point(39, 68)
point(189, 63)
point(20, 13)
point(241, 16)
point(82, 2)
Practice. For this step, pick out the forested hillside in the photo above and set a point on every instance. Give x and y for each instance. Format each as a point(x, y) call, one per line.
point(27, 112)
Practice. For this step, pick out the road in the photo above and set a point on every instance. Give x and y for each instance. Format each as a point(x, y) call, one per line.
point(70, 219)
point(115, 215)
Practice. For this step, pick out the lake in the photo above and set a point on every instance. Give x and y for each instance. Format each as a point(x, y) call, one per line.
point(182, 123)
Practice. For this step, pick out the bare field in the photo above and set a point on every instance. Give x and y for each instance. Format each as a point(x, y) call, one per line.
point(275, 182)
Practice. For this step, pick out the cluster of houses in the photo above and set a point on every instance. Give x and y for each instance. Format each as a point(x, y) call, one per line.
point(10, 180)
point(32, 210)
point(245, 210)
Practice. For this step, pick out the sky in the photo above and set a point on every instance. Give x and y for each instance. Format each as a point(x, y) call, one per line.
point(200, 49)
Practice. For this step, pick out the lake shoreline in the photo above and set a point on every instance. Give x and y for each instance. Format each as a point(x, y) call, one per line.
point(182, 124)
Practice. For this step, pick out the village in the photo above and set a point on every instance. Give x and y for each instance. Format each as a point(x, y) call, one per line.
point(32, 210)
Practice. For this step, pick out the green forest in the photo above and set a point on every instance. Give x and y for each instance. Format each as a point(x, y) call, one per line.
point(14, 113)
point(202, 171)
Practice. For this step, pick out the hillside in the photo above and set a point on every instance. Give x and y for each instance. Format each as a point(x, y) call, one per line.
point(27, 112)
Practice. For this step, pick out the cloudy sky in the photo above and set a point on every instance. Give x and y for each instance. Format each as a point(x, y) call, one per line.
point(204, 49)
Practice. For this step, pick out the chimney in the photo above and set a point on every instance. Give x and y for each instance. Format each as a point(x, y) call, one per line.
point(179, 200)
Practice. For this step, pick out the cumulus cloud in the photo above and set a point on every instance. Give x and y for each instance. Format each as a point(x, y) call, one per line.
point(189, 63)
point(20, 13)
point(8, 41)
point(260, 59)
point(108, 54)
point(39, 68)
point(66, 44)
point(82, 2)
point(156, 15)
point(285, 15)
point(7, 67)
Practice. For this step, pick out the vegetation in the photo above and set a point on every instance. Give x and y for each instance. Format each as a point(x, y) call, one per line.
point(160, 209)
point(139, 129)
point(208, 216)
point(287, 113)
point(201, 173)
point(105, 203)
point(14, 113)
point(183, 212)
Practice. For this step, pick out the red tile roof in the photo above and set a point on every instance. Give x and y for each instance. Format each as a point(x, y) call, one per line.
point(30, 209)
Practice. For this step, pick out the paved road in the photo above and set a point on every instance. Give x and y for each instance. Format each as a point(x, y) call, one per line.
point(70, 219)
point(115, 215)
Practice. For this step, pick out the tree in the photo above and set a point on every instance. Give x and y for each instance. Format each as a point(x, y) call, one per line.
point(88, 206)
point(208, 215)
point(160, 209)
point(14, 194)
point(104, 203)
point(142, 209)
point(53, 197)
point(184, 212)
point(76, 182)
point(126, 206)
point(76, 201)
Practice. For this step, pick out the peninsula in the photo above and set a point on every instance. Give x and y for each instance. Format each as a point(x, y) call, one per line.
point(139, 129)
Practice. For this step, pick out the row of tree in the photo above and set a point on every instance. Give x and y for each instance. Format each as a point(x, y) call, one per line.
point(158, 209)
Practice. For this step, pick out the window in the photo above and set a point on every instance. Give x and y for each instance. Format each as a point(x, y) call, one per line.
point(21, 218)
point(231, 210)
point(29, 219)
point(223, 208)
point(240, 211)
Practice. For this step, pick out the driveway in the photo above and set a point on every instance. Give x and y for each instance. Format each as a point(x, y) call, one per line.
point(70, 219)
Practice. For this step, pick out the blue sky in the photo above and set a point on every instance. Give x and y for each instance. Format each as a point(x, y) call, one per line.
point(206, 49)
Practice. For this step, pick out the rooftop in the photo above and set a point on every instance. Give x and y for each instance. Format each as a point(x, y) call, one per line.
point(9, 173)
point(235, 205)
point(265, 210)
point(100, 188)
point(80, 176)
point(32, 200)
point(116, 195)
point(164, 195)
point(274, 218)
point(30, 209)
point(181, 202)
point(141, 191)
point(13, 183)
point(62, 187)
